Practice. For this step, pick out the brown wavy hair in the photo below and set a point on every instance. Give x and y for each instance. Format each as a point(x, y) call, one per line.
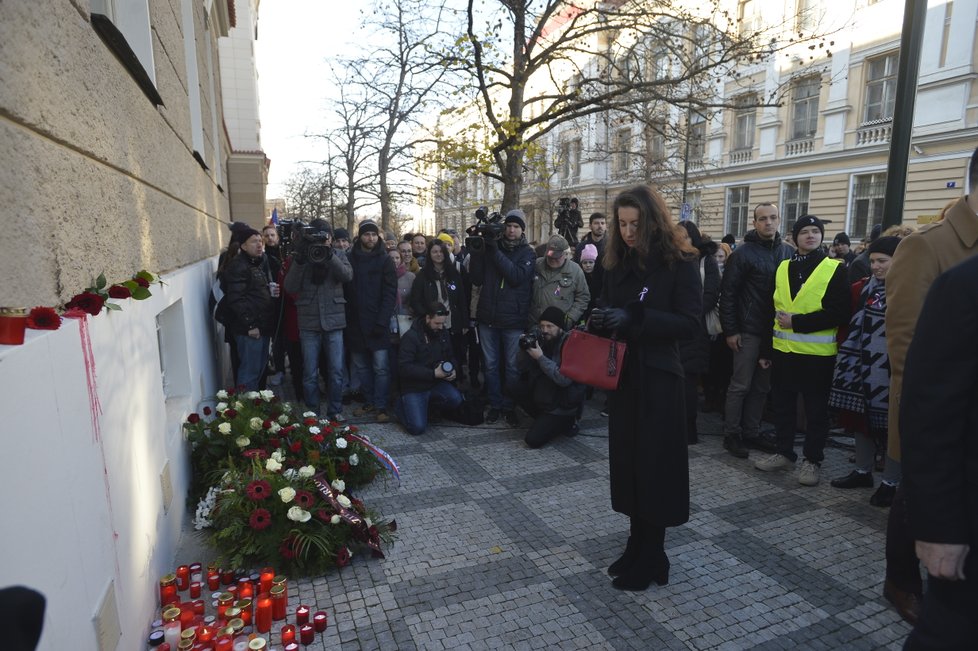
point(658, 236)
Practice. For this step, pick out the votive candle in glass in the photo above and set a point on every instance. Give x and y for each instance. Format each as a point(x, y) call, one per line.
point(196, 572)
point(195, 590)
point(320, 621)
point(171, 633)
point(168, 589)
point(224, 643)
point(302, 615)
point(13, 324)
point(198, 606)
point(245, 588)
point(265, 579)
point(306, 634)
point(186, 615)
point(263, 613)
point(213, 579)
point(288, 634)
point(292, 647)
point(206, 633)
point(283, 581)
point(245, 606)
point(224, 601)
point(183, 577)
point(279, 603)
point(227, 577)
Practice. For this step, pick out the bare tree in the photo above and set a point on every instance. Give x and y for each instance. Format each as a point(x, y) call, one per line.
point(309, 194)
point(616, 54)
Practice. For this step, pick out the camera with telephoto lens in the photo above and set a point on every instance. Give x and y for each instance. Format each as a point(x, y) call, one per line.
point(528, 340)
point(447, 368)
point(314, 244)
point(488, 225)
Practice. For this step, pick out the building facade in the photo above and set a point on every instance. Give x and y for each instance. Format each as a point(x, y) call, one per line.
point(117, 153)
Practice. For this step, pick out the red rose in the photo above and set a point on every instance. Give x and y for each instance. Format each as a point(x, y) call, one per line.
point(310, 421)
point(43, 318)
point(295, 447)
point(230, 413)
point(142, 282)
point(260, 519)
point(267, 424)
point(119, 291)
point(317, 438)
point(193, 419)
point(342, 557)
point(87, 302)
point(207, 411)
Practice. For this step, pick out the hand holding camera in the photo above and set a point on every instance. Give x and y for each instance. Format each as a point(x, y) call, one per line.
point(445, 371)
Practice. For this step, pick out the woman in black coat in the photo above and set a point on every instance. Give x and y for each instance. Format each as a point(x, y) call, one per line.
point(651, 298)
point(695, 352)
point(440, 282)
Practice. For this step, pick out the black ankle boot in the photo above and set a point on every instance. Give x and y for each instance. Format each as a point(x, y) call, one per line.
point(651, 563)
point(631, 551)
point(735, 446)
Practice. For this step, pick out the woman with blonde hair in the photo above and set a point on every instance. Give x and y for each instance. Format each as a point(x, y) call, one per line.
point(651, 297)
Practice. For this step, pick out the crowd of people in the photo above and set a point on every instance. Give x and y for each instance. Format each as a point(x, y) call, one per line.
point(814, 335)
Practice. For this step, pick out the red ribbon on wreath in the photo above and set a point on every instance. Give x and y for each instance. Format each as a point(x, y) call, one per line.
point(360, 529)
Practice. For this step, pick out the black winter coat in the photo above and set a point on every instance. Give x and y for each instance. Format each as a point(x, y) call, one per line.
point(747, 290)
point(370, 299)
point(506, 278)
point(424, 291)
point(647, 421)
point(419, 354)
point(695, 352)
point(247, 296)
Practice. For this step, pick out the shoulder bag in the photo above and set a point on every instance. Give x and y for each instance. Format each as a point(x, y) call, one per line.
point(592, 360)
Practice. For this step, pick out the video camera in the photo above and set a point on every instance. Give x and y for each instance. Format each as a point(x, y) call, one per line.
point(488, 225)
point(312, 242)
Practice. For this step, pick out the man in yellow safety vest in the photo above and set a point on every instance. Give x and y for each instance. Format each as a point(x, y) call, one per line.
point(811, 301)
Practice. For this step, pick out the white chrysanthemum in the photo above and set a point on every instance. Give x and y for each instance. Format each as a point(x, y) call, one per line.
point(242, 441)
point(221, 406)
point(224, 428)
point(335, 519)
point(298, 514)
point(266, 394)
point(283, 419)
point(222, 395)
point(344, 501)
point(341, 443)
point(314, 430)
point(273, 465)
point(287, 494)
point(354, 459)
point(307, 471)
point(338, 485)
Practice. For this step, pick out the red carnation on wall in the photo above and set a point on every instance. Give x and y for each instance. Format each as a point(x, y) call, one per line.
point(193, 419)
point(87, 302)
point(119, 291)
point(43, 318)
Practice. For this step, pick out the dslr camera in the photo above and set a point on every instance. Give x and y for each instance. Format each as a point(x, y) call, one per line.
point(488, 225)
point(529, 339)
point(314, 244)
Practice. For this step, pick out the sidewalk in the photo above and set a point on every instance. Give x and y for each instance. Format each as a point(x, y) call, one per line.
point(500, 546)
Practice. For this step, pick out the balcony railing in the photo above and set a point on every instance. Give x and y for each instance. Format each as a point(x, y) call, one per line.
point(741, 156)
point(799, 147)
point(874, 133)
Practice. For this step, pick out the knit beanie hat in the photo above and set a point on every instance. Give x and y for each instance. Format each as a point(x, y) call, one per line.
point(447, 239)
point(516, 216)
point(368, 227)
point(885, 245)
point(807, 220)
point(590, 252)
point(341, 234)
point(242, 235)
point(554, 315)
point(841, 238)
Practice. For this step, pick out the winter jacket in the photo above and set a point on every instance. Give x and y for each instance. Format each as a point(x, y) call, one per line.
point(370, 299)
point(747, 289)
point(320, 307)
point(505, 275)
point(424, 292)
point(564, 287)
point(695, 352)
point(420, 352)
point(247, 297)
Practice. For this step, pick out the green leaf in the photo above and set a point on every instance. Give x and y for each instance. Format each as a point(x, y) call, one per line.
point(147, 276)
point(141, 293)
point(131, 285)
point(100, 282)
point(112, 306)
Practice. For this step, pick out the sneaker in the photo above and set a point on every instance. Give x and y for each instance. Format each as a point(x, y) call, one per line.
point(364, 410)
point(512, 419)
point(775, 461)
point(809, 474)
point(338, 417)
point(492, 415)
point(854, 479)
point(382, 416)
point(883, 497)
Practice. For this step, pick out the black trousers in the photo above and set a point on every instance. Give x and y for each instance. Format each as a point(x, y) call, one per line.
point(546, 427)
point(902, 565)
point(692, 405)
point(816, 402)
point(948, 618)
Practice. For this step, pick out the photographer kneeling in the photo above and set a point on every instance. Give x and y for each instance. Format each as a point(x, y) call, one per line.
point(427, 367)
point(554, 400)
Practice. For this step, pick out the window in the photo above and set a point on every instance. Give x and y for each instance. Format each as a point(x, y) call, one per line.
point(659, 65)
point(694, 199)
point(622, 151)
point(738, 200)
point(804, 108)
point(655, 142)
point(697, 136)
point(794, 203)
point(749, 15)
point(744, 123)
point(868, 191)
point(570, 161)
point(193, 80)
point(124, 27)
point(881, 81)
point(809, 15)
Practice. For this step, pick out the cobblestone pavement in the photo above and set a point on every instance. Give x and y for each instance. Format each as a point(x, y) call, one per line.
point(503, 547)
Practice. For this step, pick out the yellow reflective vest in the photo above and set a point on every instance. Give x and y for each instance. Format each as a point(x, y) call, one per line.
point(808, 300)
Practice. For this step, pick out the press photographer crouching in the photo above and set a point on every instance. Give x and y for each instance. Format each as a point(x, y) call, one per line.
point(554, 400)
point(426, 366)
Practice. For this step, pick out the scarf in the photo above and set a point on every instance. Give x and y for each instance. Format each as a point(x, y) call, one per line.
point(861, 383)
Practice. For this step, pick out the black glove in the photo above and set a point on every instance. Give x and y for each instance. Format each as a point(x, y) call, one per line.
point(596, 320)
point(615, 318)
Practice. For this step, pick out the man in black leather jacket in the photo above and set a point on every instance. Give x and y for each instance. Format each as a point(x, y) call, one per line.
point(747, 316)
point(250, 303)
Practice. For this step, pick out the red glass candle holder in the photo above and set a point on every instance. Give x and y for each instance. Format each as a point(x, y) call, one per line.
point(263, 613)
point(283, 581)
point(186, 615)
point(320, 621)
point(194, 590)
point(245, 588)
point(213, 579)
point(288, 634)
point(13, 323)
point(224, 643)
point(265, 579)
point(196, 572)
point(168, 589)
point(302, 615)
point(183, 577)
point(198, 606)
point(227, 577)
point(245, 606)
point(224, 601)
point(306, 634)
point(279, 603)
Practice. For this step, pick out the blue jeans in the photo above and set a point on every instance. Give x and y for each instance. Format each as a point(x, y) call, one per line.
point(252, 356)
point(372, 368)
point(413, 407)
point(312, 342)
point(499, 347)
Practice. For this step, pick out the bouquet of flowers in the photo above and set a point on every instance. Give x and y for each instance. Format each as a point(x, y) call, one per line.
point(274, 485)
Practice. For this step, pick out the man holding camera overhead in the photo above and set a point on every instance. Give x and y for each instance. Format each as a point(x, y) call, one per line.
point(426, 366)
point(315, 279)
point(503, 267)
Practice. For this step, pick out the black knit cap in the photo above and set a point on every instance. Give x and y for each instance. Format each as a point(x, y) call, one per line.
point(554, 315)
point(841, 238)
point(885, 245)
point(807, 220)
point(367, 227)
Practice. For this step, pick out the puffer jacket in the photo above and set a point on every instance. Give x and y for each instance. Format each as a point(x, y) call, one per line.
point(247, 296)
point(506, 278)
point(747, 290)
point(320, 307)
point(420, 352)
